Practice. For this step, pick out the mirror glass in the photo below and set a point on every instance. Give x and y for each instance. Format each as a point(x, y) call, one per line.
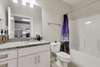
point(22, 27)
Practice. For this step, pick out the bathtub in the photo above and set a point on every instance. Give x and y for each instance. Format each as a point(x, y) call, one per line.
point(80, 59)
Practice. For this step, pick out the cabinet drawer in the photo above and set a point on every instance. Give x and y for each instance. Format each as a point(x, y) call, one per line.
point(33, 50)
point(11, 63)
point(8, 54)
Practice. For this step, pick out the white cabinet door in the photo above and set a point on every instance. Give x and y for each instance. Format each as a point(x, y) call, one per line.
point(28, 61)
point(38, 60)
point(12, 63)
point(34, 57)
point(43, 59)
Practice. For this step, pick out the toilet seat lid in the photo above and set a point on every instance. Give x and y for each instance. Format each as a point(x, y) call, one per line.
point(64, 56)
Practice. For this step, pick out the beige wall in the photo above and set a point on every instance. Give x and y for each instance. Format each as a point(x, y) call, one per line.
point(53, 11)
point(74, 39)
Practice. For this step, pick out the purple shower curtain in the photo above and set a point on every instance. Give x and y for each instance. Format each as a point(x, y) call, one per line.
point(65, 28)
point(65, 35)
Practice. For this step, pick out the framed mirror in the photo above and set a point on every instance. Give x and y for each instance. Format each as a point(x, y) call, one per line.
point(22, 27)
point(24, 22)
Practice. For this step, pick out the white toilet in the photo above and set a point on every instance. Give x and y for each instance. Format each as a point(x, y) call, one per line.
point(62, 58)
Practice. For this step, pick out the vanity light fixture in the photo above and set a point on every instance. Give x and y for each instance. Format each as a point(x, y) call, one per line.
point(15, 1)
point(32, 3)
point(25, 2)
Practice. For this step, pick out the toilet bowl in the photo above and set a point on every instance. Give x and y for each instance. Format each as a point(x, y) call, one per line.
point(62, 58)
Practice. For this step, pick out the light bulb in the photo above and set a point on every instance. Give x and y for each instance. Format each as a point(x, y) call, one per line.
point(31, 6)
point(32, 3)
point(24, 2)
point(15, 1)
point(35, 3)
point(88, 22)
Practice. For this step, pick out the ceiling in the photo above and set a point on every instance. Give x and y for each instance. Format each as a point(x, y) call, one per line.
point(73, 2)
point(78, 3)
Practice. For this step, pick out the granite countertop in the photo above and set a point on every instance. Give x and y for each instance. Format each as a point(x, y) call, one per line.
point(21, 44)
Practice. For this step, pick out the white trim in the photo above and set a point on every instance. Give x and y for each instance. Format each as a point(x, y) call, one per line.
point(19, 15)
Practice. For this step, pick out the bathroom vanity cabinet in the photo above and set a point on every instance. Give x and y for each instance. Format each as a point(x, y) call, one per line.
point(27, 56)
point(34, 57)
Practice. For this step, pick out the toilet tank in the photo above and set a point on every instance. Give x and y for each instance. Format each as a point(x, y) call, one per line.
point(55, 47)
